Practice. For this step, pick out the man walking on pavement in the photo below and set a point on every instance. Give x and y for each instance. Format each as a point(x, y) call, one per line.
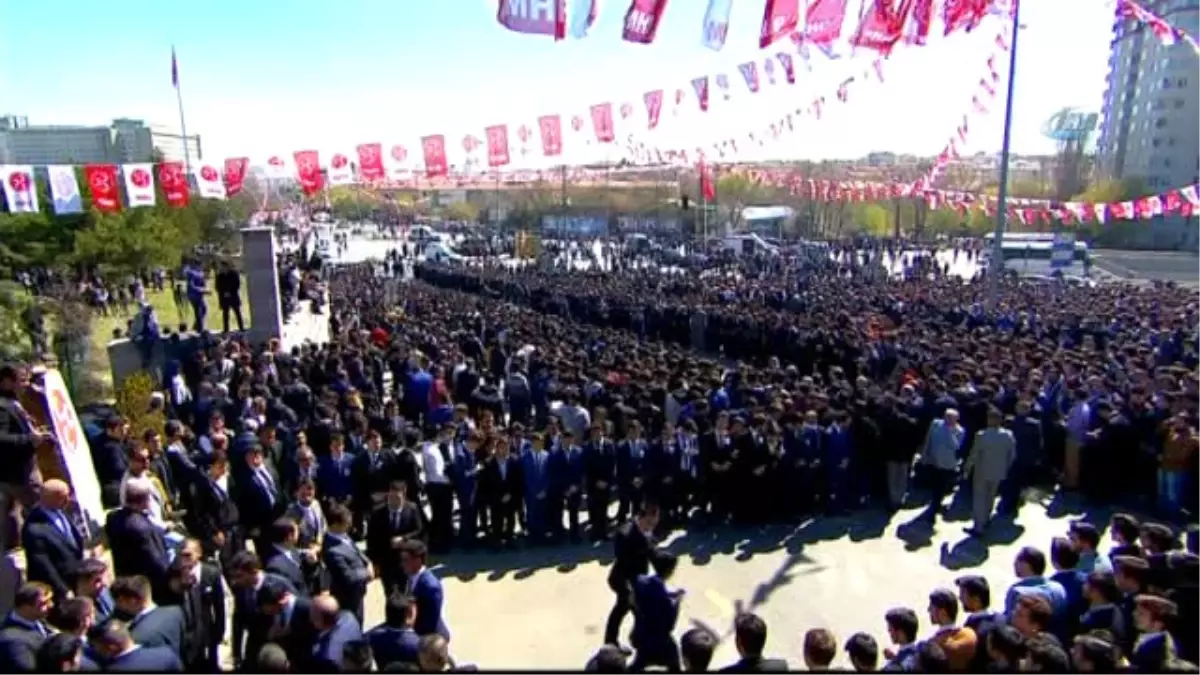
point(992, 455)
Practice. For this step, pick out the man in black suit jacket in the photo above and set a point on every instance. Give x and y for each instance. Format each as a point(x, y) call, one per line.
point(290, 623)
point(199, 591)
point(121, 653)
point(250, 626)
point(395, 640)
point(371, 475)
point(54, 546)
point(500, 488)
point(390, 526)
point(633, 544)
point(150, 625)
point(19, 441)
point(349, 570)
point(259, 498)
point(25, 629)
point(282, 558)
point(750, 636)
point(215, 519)
point(91, 582)
point(229, 295)
point(138, 546)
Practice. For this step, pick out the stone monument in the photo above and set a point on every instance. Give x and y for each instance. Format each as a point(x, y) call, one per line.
point(259, 250)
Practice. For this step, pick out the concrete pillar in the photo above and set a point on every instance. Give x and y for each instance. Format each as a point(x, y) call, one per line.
point(262, 284)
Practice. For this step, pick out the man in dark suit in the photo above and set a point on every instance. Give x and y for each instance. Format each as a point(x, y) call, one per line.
point(500, 487)
point(282, 558)
point(90, 581)
point(390, 526)
point(259, 499)
point(229, 295)
point(289, 620)
point(633, 544)
point(250, 627)
point(19, 440)
point(54, 547)
point(750, 637)
point(655, 613)
point(334, 628)
point(201, 595)
point(150, 625)
point(25, 629)
point(216, 518)
point(120, 652)
point(110, 457)
point(138, 546)
point(349, 570)
point(371, 475)
point(425, 589)
point(394, 641)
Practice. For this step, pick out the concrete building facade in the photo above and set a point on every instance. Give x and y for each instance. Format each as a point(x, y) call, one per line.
point(123, 141)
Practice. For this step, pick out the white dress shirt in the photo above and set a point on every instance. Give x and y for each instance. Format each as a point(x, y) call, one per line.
point(434, 464)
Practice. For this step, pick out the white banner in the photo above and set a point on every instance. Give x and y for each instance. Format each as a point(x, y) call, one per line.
point(139, 184)
point(20, 191)
point(64, 189)
point(340, 172)
point(74, 448)
point(716, 24)
point(209, 183)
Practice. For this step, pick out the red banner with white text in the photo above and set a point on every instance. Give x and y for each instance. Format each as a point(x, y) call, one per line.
point(550, 129)
point(780, 18)
point(173, 179)
point(234, 175)
point(824, 21)
point(308, 171)
point(642, 19)
point(102, 179)
point(602, 122)
point(434, 149)
point(370, 162)
point(497, 145)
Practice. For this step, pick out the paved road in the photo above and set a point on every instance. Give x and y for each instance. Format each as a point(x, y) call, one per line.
point(1183, 268)
point(546, 607)
point(304, 326)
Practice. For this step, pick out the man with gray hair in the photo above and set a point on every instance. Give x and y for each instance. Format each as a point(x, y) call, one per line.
point(137, 544)
point(939, 460)
point(992, 455)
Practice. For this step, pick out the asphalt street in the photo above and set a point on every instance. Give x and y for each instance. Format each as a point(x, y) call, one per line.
point(1180, 267)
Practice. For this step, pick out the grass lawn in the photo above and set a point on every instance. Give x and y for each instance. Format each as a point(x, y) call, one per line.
point(97, 383)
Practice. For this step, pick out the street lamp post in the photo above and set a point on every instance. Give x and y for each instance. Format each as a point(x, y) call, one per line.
point(997, 264)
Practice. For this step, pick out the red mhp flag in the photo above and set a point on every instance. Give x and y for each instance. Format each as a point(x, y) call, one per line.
point(173, 180)
point(780, 18)
point(235, 175)
point(707, 188)
point(602, 122)
point(102, 180)
point(497, 144)
point(654, 101)
point(434, 148)
point(919, 22)
point(964, 14)
point(530, 17)
point(883, 25)
point(550, 129)
point(642, 19)
point(308, 171)
point(824, 23)
point(370, 161)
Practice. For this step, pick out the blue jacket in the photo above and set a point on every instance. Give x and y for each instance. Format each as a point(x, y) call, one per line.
point(464, 472)
point(146, 660)
point(393, 645)
point(631, 461)
point(430, 599)
point(333, 477)
point(655, 613)
point(565, 468)
point(838, 448)
point(535, 469)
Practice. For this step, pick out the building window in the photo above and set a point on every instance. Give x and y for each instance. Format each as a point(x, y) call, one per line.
point(1160, 123)
point(1166, 83)
point(1156, 142)
point(1158, 104)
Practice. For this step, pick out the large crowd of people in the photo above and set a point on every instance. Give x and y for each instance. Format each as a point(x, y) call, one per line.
point(490, 406)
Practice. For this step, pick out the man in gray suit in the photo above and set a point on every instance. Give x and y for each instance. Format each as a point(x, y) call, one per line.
point(992, 454)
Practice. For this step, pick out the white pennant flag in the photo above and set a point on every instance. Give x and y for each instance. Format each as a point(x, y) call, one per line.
point(64, 189)
point(395, 162)
point(716, 24)
point(209, 183)
point(139, 184)
point(340, 171)
point(1101, 211)
point(20, 191)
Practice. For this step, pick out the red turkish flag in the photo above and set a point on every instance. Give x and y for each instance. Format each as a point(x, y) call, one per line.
point(308, 171)
point(653, 101)
point(642, 19)
point(173, 179)
point(550, 128)
point(964, 14)
point(602, 122)
point(780, 18)
point(434, 148)
point(235, 175)
point(883, 25)
point(497, 144)
point(824, 22)
point(707, 188)
point(102, 179)
point(370, 162)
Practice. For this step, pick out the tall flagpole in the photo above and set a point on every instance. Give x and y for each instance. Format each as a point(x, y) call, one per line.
point(996, 268)
point(187, 154)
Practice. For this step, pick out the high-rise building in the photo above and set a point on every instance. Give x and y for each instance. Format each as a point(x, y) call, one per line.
point(172, 145)
point(123, 141)
point(1151, 109)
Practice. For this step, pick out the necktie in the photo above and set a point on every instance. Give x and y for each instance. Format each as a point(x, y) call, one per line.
point(396, 519)
point(61, 521)
point(267, 484)
point(311, 517)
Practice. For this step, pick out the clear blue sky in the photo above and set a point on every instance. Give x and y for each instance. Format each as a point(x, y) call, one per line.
point(264, 77)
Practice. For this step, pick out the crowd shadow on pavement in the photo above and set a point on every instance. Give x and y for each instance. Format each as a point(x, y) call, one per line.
point(698, 544)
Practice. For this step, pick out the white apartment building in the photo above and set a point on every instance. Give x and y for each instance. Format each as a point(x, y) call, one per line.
point(1151, 111)
point(172, 145)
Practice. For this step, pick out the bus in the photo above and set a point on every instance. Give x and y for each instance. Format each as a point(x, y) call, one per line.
point(1032, 246)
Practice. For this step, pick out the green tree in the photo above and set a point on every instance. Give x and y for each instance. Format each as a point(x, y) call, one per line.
point(462, 211)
